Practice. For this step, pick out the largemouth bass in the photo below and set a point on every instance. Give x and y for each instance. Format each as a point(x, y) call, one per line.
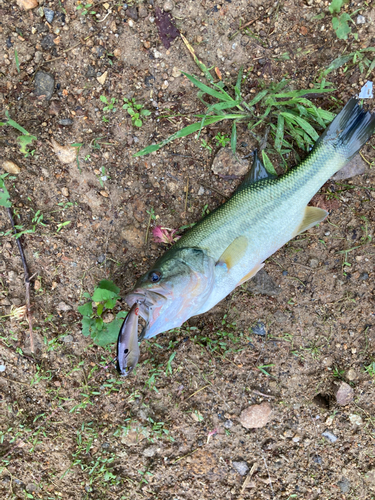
point(127, 342)
point(229, 246)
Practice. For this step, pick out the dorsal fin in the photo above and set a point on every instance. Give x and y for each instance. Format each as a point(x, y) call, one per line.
point(312, 216)
point(234, 252)
point(256, 173)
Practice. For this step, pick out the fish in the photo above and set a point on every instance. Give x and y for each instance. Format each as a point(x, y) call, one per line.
point(229, 246)
point(127, 343)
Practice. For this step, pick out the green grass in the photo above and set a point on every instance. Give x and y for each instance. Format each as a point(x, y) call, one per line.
point(25, 139)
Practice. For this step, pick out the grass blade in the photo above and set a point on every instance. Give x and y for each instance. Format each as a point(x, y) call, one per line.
point(257, 98)
point(300, 93)
point(303, 124)
point(268, 164)
point(199, 63)
point(233, 139)
point(279, 133)
point(17, 60)
point(222, 96)
point(237, 88)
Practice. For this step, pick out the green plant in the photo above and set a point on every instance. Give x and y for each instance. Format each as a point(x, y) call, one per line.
point(290, 117)
point(136, 111)
point(222, 139)
point(370, 369)
point(25, 139)
point(110, 106)
point(103, 176)
point(86, 9)
point(359, 57)
point(341, 23)
point(205, 145)
point(102, 300)
point(17, 61)
point(4, 193)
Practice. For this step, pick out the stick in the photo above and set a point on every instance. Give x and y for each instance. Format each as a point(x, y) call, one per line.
point(27, 282)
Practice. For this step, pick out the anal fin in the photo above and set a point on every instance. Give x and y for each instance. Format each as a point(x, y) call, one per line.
point(252, 273)
point(312, 216)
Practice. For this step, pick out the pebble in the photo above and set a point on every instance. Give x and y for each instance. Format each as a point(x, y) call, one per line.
point(32, 488)
point(344, 394)
point(201, 191)
point(364, 276)
point(168, 5)
point(61, 306)
point(27, 4)
point(228, 424)
point(101, 259)
point(68, 339)
point(66, 154)
point(313, 263)
point(132, 13)
point(355, 419)
point(65, 122)
point(101, 79)
point(262, 283)
point(44, 84)
point(65, 191)
point(256, 416)
point(104, 193)
point(361, 20)
point(2, 368)
point(227, 164)
point(11, 167)
point(48, 42)
point(344, 485)
point(241, 467)
point(149, 452)
point(331, 437)
point(351, 375)
point(49, 14)
point(259, 329)
point(176, 72)
point(142, 11)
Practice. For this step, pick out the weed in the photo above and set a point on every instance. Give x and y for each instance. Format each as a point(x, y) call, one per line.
point(338, 373)
point(359, 57)
point(17, 61)
point(102, 177)
point(110, 106)
point(370, 369)
point(290, 117)
point(262, 368)
point(221, 139)
point(85, 9)
point(77, 145)
point(136, 111)
point(103, 299)
point(4, 194)
point(341, 24)
point(205, 145)
point(25, 139)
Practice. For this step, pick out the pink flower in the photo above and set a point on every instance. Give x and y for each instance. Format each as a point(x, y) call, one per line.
point(164, 235)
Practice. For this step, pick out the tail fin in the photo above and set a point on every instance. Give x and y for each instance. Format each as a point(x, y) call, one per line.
point(351, 128)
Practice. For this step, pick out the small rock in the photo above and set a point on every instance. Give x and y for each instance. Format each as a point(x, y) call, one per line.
point(259, 329)
point(226, 164)
point(356, 166)
point(176, 72)
point(44, 84)
point(344, 394)
point(150, 452)
point(49, 14)
point(364, 276)
point(61, 306)
point(11, 167)
point(165, 85)
point(104, 193)
point(361, 19)
point(132, 13)
point(344, 485)
point(32, 488)
point(65, 191)
point(2, 368)
point(313, 263)
point(201, 191)
point(101, 79)
point(27, 4)
point(117, 53)
point(91, 72)
point(331, 437)
point(351, 375)
point(48, 42)
point(263, 283)
point(54, 108)
point(68, 339)
point(65, 122)
point(256, 416)
point(142, 11)
point(168, 5)
point(355, 419)
point(228, 424)
point(66, 154)
point(317, 459)
point(101, 259)
point(241, 467)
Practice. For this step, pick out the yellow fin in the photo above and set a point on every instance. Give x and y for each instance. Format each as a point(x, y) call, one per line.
point(252, 273)
point(312, 216)
point(234, 253)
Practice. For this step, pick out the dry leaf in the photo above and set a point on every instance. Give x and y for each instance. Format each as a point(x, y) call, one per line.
point(66, 154)
point(101, 79)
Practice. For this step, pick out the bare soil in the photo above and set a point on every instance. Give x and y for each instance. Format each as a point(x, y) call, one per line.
point(70, 427)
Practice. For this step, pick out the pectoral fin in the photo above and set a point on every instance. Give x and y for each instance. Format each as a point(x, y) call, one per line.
point(252, 273)
point(312, 216)
point(234, 253)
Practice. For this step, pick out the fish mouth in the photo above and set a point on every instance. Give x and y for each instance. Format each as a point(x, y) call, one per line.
point(150, 304)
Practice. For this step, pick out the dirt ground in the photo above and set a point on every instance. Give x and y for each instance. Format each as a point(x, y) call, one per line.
point(70, 427)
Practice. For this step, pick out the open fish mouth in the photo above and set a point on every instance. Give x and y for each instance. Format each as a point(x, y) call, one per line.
point(149, 303)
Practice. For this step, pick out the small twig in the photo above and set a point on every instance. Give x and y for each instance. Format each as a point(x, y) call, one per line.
point(27, 281)
point(199, 390)
point(187, 193)
point(262, 394)
point(188, 455)
point(214, 189)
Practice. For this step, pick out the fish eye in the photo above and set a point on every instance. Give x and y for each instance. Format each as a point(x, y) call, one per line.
point(154, 276)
